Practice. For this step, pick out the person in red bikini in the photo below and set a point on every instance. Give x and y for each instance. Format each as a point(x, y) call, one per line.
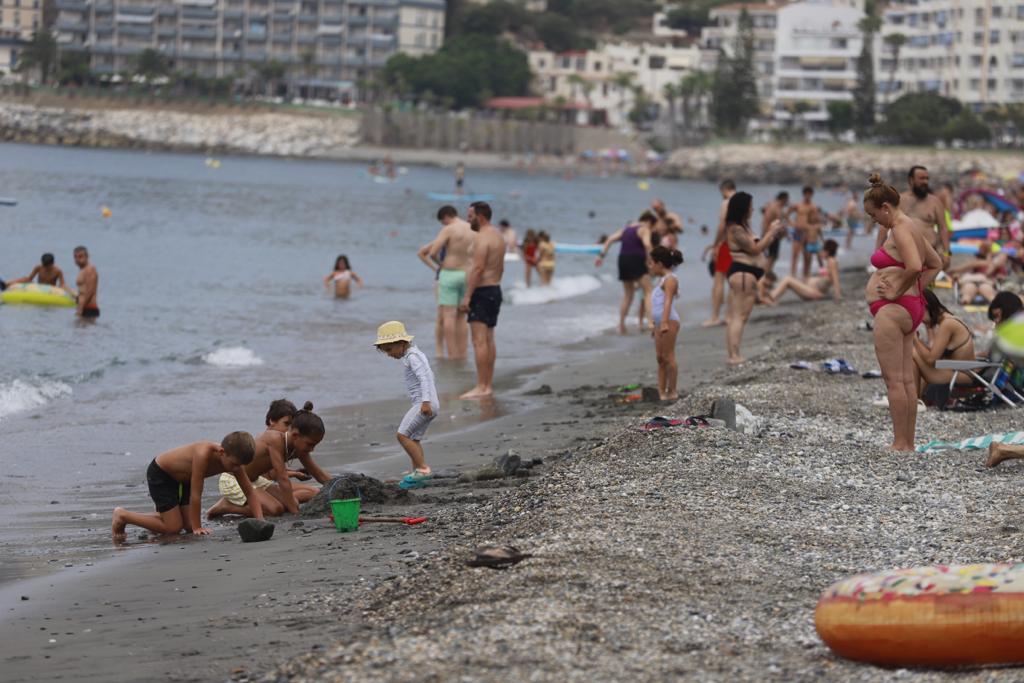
point(723, 260)
point(894, 296)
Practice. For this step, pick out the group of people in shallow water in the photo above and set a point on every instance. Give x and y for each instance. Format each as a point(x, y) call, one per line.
point(48, 273)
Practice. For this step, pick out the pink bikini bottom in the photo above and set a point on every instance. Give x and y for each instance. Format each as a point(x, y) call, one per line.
point(914, 305)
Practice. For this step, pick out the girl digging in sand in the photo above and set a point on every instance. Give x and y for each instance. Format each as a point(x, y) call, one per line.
point(666, 319)
point(342, 278)
point(395, 342)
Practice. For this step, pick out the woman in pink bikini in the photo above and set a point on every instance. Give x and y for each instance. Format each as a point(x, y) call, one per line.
point(894, 296)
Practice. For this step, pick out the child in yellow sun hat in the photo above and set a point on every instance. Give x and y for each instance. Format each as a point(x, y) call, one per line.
point(394, 341)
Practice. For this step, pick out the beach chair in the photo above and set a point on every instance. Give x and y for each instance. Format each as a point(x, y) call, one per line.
point(1000, 379)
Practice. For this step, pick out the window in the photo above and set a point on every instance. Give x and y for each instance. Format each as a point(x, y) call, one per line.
point(838, 43)
point(656, 62)
point(420, 40)
point(566, 62)
point(552, 83)
point(1020, 12)
point(979, 39)
point(993, 61)
point(541, 63)
point(597, 66)
point(976, 61)
point(604, 90)
point(581, 63)
point(911, 20)
point(979, 15)
point(992, 84)
point(975, 84)
point(993, 37)
point(997, 12)
point(1018, 60)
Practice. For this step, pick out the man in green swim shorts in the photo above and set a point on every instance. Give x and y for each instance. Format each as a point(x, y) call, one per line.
point(455, 241)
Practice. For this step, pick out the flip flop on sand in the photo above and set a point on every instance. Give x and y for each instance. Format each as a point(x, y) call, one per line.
point(696, 421)
point(872, 374)
point(660, 422)
point(801, 365)
point(416, 480)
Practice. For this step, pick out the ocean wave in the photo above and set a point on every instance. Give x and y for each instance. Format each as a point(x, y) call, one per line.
point(232, 357)
point(559, 289)
point(21, 395)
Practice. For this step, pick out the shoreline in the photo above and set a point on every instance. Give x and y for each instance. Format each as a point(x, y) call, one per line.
point(239, 588)
point(263, 131)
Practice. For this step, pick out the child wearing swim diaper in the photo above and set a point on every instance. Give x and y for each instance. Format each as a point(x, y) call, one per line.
point(395, 342)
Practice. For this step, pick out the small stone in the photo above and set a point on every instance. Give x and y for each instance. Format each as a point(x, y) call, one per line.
point(542, 390)
point(24, 597)
point(255, 530)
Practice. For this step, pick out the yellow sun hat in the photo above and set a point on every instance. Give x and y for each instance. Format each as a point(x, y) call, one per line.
point(393, 331)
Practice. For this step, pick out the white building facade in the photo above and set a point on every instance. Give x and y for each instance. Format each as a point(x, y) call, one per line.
point(970, 50)
point(601, 83)
point(18, 20)
point(816, 49)
point(722, 37)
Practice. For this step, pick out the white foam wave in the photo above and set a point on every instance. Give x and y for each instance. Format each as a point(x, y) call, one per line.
point(21, 395)
point(232, 357)
point(559, 289)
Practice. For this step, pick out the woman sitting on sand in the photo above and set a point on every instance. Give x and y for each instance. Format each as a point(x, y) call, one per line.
point(894, 296)
point(635, 246)
point(743, 275)
point(342, 278)
point(817, 286)
point(949, 338)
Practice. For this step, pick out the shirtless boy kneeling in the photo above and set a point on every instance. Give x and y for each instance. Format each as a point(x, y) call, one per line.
point(269, 471)
point(175, 481)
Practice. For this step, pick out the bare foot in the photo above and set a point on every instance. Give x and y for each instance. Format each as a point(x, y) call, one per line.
point(477, 392)
point(733, 362)
point(995, 455)
point(117, 525)
point(217, 510)
point(714, 322)
point(671, 397)
point(622, 329)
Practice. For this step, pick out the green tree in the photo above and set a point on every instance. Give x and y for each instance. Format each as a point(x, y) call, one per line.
point(672, 92)
point(151, 64)
point(918, 118)
point(74, 69)
point(270, 74)
point(735, 100)
point(586, 87)
point(40, 53)
point(495, 18)
point(623, 81)
point(895, 42)
point(840, 117)
point(864, 92)
point(559, 33)
point(468, 69)
point(966, 127)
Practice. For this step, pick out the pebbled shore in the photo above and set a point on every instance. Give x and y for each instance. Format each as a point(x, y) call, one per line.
point(693, 554)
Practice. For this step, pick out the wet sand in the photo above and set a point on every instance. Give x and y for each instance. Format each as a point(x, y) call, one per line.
point(204, 609)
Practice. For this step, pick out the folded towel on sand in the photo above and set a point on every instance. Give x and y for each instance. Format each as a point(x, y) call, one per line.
point(975, 443)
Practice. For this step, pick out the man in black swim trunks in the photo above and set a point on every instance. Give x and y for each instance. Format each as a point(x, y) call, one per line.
point(483, 296)
point(770, 212)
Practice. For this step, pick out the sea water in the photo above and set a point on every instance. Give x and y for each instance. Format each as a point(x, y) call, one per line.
point(213, 303)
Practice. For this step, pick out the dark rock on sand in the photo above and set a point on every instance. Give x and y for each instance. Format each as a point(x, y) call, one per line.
point(255, 530)
point(649, 395)
point(542, 390)
point(508, 463)
point(367, 489)
point(724, 409)
point(497, 557)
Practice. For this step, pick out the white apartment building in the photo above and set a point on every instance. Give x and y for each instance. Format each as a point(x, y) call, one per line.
point(722, 36)
point(594, 82)
point(18, 20)
point(816, 48)
point(970, 50)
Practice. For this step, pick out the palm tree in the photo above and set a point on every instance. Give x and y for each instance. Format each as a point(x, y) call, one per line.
point(895, 41)
point(693, 87)
point(587, 87)
point(624, 82)
point(671, 91)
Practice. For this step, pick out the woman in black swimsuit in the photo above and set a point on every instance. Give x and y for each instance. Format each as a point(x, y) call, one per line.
point(949, 338)
point(743, 274)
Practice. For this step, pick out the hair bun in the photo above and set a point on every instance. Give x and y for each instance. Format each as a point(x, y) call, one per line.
point(875, 180)
point(308, 406)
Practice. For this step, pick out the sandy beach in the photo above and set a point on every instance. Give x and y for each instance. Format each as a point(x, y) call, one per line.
point(694, 554)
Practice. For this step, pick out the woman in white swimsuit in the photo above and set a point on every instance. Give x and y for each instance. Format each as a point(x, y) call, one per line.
point(342, 278)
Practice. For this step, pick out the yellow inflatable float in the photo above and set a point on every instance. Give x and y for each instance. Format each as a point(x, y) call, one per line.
point(927, 616)
point(36, 295)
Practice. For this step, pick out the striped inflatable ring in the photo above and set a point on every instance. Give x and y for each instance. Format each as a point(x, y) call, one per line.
point(927, 616)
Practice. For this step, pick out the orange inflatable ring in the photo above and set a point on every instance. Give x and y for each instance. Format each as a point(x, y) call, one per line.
point(927, 616)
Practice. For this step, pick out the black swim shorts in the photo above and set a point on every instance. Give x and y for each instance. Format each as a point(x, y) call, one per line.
point(773, 249)
point(485, 304)
point(90, 312)
point(166, 492)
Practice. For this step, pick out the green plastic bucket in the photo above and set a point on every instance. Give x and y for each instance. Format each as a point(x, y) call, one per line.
point(346, 514)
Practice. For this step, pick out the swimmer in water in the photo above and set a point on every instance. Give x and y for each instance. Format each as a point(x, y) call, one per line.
point(342, 278)
point(46, 273)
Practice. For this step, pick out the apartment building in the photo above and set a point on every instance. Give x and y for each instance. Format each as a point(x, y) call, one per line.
point(816, 49)
point(600, 83)
point(722, 37)
point(18, 20)
point(970, 50)
point(324, 44)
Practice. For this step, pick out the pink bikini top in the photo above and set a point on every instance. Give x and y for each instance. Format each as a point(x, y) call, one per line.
point(881, 259)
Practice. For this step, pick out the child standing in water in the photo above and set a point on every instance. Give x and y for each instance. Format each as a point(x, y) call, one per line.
point(666, 319)
point(394, 341)
point(342, 278)
point(530, 254)
point(546, 255)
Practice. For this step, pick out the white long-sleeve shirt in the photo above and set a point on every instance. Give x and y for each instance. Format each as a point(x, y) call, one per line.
point(419, 378)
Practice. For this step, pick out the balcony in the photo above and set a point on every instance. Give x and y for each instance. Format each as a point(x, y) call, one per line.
point(209, 33)
point(72, 25)
point(306, 40)
point(307, 19)
point(135, 9)
point(195, 53)
point(103, 48)
point(165, 11)
point(381, 40)
point(133, 30)
point(328, 61)
point(282, 38)
point(330, 41)
point(104, 27)
point(198, 13)
point(356, 20)
point(72, 5)
point(166, 32)
point(103, 8)
point(389, 21)
point(234, 14)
